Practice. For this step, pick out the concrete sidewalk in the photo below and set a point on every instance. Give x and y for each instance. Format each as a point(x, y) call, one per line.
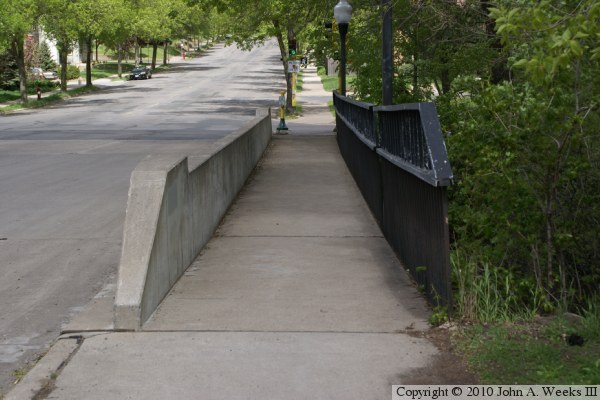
point(297, 296)
point(316, 118)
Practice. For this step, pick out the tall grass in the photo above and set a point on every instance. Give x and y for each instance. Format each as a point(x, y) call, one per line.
point(507, 343)
point(486, 293)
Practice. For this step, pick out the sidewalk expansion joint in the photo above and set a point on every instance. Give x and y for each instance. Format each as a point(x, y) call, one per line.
point(74, 239)
point(303, 236)
point(395, 332)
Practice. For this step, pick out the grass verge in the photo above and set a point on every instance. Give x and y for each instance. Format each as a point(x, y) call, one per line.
point(8, 95)
point(505, 341)
point(300, 82)
point(53, 98)
point(331, 83)
point(535, 352)
point(108, 69)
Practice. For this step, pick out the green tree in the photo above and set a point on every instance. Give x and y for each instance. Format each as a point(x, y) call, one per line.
point(435, 42)
point(46, 61)
point(118, 33)
point(16, 20)
point(93, 17)
point(9, 71)
point(526, 156)
point(556, 43)
point(284, 20)
point(58, 20)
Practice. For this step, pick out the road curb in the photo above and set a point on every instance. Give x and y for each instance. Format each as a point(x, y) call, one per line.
point(42, 376)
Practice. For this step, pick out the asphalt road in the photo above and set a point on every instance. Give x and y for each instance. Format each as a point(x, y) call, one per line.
point(64, 176)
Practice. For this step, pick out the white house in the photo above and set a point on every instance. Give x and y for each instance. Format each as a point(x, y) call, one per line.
point(75, 57)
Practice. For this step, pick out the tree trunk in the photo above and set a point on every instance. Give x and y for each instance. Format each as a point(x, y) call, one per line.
point(415, 73)
point(88, 62)
point(415, 79)
point(165, 51)
point(549, 247)
point(288, 77)
point(97, 45)
point(154, 52)
point(120, 60)
point(499, 71)
point(19, 53)
point(63, 53)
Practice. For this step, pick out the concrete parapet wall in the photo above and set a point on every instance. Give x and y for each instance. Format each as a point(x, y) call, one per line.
point(172, 213)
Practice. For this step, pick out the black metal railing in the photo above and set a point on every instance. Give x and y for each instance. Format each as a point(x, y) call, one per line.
point(398, 158)
point(411, 137)
point(356, 135)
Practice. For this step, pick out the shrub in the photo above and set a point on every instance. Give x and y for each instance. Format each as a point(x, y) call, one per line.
point(45, 85)
point(72, 72)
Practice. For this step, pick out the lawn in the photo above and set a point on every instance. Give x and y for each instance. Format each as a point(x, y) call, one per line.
point(300, 82)
point(331, 83)
point(14, 95)
point(105, 70)
point(34, 103)
point(9, 95)
point(146, 53)
point(536, 352)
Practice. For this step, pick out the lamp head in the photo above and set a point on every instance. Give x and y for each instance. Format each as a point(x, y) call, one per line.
point(342, 12)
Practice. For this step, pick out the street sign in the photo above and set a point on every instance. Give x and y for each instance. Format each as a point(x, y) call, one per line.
point(294, 66)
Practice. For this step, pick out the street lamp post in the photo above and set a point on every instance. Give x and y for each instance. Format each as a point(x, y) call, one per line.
point(342, 13)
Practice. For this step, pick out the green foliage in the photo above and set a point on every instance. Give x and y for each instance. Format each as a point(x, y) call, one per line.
point(283, 20)
point(43, 84)
point(364, 53)
point(526, 158)
point(439, 316)
point(434, 43)
point(9, 72)
point(16, 19)
point(72, 72)
point(487, 294)
point(46, 62)
point(555, 33)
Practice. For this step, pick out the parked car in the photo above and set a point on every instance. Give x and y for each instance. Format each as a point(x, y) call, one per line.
point(38, 73)
point(140, 72)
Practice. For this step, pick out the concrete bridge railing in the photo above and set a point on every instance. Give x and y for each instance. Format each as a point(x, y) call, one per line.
point(172, 213)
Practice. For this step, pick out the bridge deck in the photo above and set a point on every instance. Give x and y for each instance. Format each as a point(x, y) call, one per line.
point(298, 252)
